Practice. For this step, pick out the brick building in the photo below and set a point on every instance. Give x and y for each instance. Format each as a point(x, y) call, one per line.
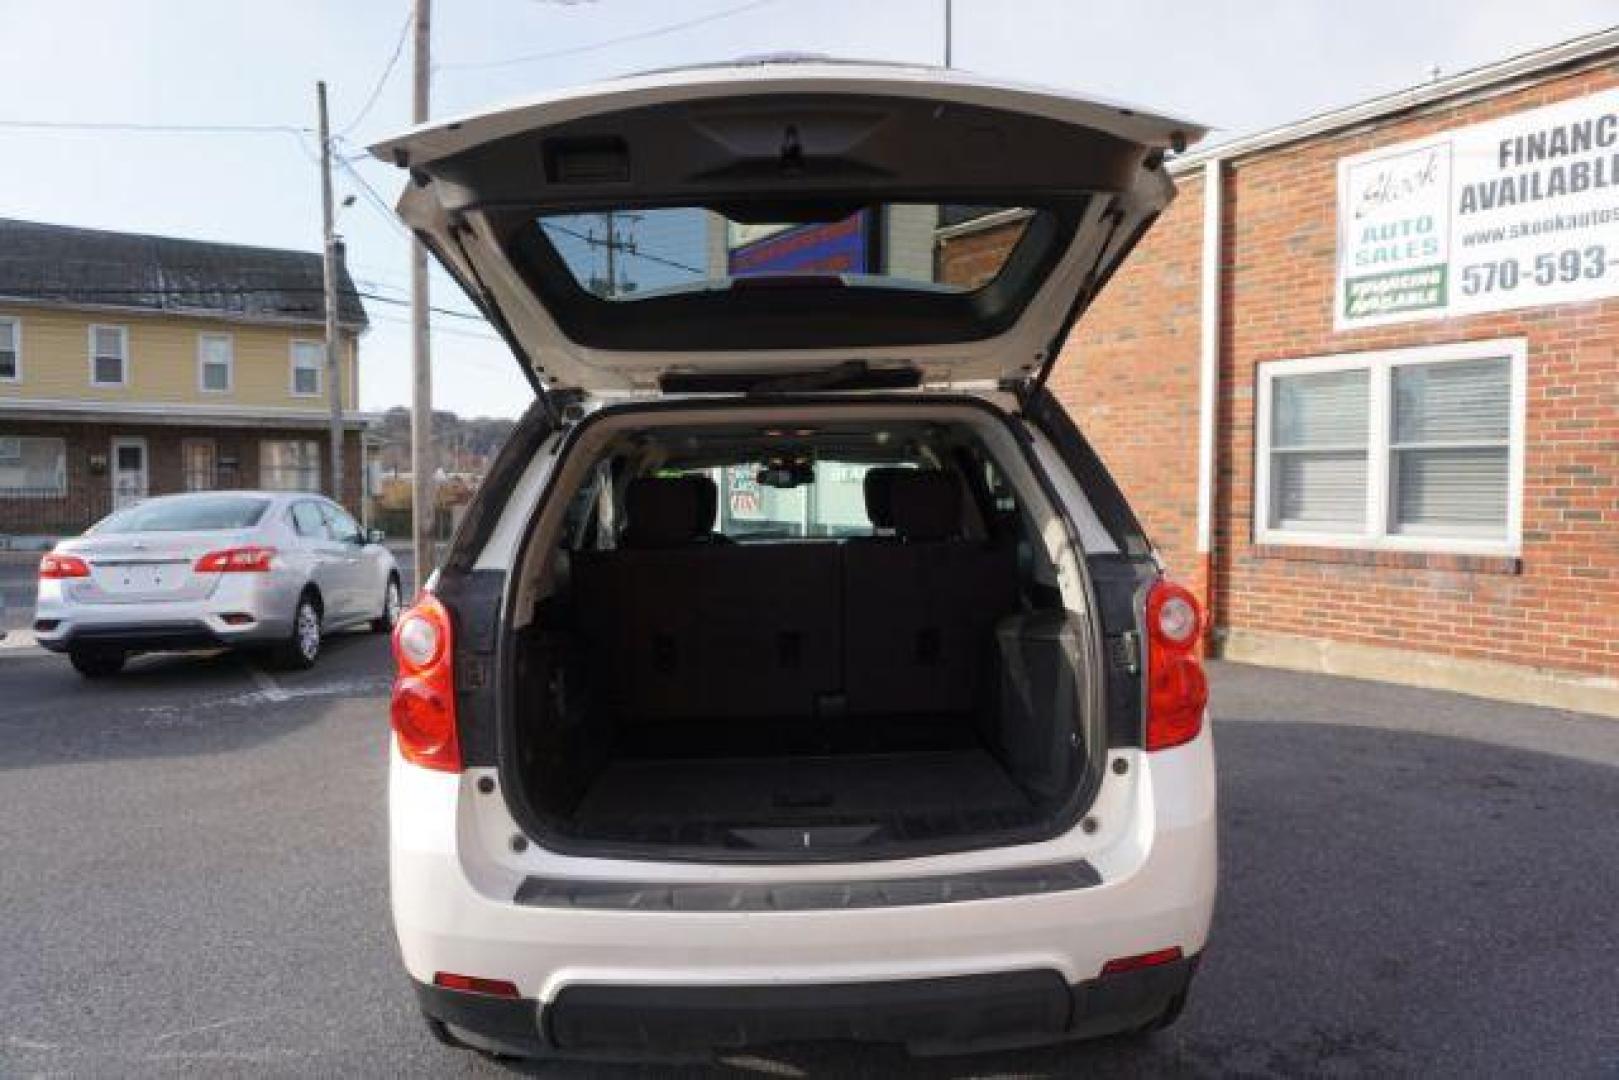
point(141, 365)
point(1361, 381)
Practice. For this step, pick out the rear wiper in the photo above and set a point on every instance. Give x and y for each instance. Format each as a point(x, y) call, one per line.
point(849, 375)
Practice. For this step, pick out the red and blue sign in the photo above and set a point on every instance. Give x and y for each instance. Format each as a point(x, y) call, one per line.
point(835, 247)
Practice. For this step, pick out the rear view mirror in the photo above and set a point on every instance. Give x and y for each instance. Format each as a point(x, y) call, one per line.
point(786, 476)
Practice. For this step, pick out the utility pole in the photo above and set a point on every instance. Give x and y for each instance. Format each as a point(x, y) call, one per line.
point(334, 344)
point(947, 22)
point(423, 511)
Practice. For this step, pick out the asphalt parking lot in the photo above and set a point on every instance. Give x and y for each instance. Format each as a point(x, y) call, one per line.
point(193, 881)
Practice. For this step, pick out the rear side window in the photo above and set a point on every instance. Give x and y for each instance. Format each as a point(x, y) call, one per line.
point(192, 514)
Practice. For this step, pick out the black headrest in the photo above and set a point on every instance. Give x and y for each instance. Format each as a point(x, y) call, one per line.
point(879, 486)
point(669, 510)
point(926, 505)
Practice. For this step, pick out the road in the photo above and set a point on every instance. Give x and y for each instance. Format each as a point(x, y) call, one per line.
point(194, 883)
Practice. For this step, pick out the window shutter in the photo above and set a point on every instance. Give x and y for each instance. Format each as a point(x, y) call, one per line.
point(1449, 447)
point(1318, 451)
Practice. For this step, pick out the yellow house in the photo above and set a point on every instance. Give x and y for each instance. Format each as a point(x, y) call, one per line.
point(138, 365)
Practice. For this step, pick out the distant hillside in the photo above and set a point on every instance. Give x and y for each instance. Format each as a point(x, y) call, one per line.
point(464, 445)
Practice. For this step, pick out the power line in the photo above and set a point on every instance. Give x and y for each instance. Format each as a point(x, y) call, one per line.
point(621, 246)
point(376, 91)
point(453, 331)
point(574, 50)
point(436, 310)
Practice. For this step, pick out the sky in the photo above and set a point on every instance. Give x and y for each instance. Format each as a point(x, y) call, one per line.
point(1238, 66)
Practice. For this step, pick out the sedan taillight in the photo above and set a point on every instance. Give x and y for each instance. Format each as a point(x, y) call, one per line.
point(240, 560)
point(1177, 689)
point(423, 706)
point(55, 566)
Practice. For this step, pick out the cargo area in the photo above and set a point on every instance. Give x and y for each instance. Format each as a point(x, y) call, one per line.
point(814, 679)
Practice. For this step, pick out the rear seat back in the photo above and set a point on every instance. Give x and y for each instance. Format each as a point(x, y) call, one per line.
point(919, 613)
point(681, 628)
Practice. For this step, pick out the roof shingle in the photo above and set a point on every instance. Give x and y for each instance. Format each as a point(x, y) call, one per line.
point(62, 264)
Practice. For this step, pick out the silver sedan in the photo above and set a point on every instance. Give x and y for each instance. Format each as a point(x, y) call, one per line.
point(277, 570)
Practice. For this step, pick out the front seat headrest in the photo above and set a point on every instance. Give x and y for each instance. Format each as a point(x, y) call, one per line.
point(926, 504)
point(666, 511)
point(879, 487)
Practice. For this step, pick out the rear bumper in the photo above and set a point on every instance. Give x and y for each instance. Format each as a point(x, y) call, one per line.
point(132, 637)
point(152, 626)
point(950, 1015)
point(459, 906)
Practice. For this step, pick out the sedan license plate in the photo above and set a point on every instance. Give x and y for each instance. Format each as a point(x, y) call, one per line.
point(138, 578)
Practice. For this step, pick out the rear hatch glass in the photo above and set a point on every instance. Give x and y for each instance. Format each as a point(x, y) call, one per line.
point(906, 247)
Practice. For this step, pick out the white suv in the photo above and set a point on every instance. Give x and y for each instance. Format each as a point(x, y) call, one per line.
point(799, 672)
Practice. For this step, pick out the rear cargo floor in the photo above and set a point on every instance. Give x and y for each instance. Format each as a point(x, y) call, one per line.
point(889, 796)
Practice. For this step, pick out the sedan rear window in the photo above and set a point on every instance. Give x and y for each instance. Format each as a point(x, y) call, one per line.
point(190, 514)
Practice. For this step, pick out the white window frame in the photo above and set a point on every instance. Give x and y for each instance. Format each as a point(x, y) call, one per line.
point(202, 361)
point(16, 348)
point(123, 348)
point(319, 369)
point(1380, 365)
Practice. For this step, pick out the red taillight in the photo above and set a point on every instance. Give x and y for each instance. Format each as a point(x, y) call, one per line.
point(240, 560)
point(53, 567)
point(423, 707)
point(1177, 689)
point(1142, 960)
point(474, 985)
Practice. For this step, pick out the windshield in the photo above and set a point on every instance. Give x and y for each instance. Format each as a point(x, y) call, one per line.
point(191, 514)
point(630, 254)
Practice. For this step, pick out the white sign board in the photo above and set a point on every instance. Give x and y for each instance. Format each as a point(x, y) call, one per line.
point(1517, 212)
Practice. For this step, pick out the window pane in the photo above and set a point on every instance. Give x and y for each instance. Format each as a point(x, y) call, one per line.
point(30, 466)
point(1455, 490)
point(1324, 409)
point(215, 377)
point(109, 369)
point(8, 363)
point(306, 381)
point(341, 525)
point(8, 334)
point(1318, 490)
point(197, 456)
point(109, 341)
point(631, 253)
point(289, 465)
point(216, 349)
point(307, 520)
point(1455, 402)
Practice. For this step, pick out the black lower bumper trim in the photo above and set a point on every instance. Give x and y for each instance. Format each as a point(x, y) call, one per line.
point(957, 1014)
point(138, 637)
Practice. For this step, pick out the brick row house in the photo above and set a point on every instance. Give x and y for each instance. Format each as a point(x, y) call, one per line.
point(1361, 381)
point(141, 365)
